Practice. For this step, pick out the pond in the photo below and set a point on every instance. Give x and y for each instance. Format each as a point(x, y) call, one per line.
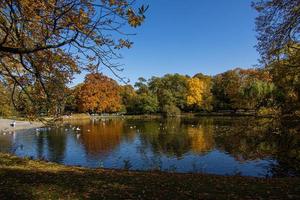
point(213, 145)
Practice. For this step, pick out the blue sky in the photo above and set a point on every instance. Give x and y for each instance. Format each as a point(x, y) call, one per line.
point(191, 36)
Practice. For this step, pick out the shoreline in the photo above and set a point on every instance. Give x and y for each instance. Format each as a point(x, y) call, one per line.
point(23, 178)
point(20, 125)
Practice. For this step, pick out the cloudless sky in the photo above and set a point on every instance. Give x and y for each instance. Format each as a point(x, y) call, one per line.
point(191, 36)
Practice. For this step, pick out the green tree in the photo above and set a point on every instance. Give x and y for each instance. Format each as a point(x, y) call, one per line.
point(226, 90)
point(128, 95)
point(249, 89)
point(170, 89)
point(145, 102)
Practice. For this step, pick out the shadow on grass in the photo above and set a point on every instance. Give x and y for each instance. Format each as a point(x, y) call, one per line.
point(109, 184)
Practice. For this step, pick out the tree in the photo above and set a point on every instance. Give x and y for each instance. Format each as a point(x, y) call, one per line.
point(199, 92)
point(195, 92)
point(6, 108)
point(278, 26)
point(99, 94)
point(286, 79)
point(43, 92)
point(128, 96)
point(29, 26)
point(226, 90)
point(71, 101)
point(248, 89)
point(257, 89)
point(145, 102)
point(170, 89)
point(69, 34)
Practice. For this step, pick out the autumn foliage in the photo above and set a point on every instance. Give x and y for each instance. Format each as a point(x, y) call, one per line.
point(44, 43)
point(99, 94)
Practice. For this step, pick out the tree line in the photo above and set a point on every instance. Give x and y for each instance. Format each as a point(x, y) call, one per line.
point(260, 91)
point(257, 90)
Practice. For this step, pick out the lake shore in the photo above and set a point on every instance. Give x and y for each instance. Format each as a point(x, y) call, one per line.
point(20, 125)
point(29, 179)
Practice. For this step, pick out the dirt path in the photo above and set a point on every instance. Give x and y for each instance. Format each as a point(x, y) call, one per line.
point(20, 125)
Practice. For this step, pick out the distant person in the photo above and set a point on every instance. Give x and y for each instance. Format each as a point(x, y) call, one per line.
point(13, 124)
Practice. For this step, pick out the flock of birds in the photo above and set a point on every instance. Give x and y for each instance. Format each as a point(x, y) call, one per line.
point(77, 128)
point(38, 130)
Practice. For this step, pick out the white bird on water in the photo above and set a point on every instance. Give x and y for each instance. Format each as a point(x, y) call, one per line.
point(77, 129)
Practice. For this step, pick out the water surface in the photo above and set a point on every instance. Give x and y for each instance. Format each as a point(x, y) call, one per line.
point(215, 145)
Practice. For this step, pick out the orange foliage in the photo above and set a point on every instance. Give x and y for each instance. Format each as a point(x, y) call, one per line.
point(99, 94)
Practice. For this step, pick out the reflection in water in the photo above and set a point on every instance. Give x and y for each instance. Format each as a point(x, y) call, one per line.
point(168, 137)
point(219, 145)
point(202, 139)
point(56, 140)
point(102, 137)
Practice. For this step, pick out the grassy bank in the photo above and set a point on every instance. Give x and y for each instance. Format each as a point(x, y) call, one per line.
point(27, 179)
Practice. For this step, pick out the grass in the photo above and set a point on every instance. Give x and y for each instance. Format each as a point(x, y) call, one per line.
point(28, 179)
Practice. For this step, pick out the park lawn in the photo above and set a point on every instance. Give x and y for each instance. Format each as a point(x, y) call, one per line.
point(28, 179)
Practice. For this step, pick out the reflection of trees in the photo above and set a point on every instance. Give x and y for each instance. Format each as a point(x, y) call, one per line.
point(168, 137)
point(175, 137)
point(102, 137)
point(56, 145)
point(202, 139)
point(245, 139)
point(250, 139)
point(288, 151)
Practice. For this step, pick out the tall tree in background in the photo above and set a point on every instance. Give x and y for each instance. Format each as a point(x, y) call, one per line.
point(171, 90)
point(199, 94)
point(249, 89)
point(256, 90)
point(195, 92)
point(99, 94)
point(70, 33)
point(226, 90)
point(145, 102)
point(128, 95)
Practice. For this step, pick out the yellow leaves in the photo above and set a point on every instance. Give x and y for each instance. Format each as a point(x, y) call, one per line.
point(123, 43)
point(195, 92)
point(112, 2)
point(133, 19)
